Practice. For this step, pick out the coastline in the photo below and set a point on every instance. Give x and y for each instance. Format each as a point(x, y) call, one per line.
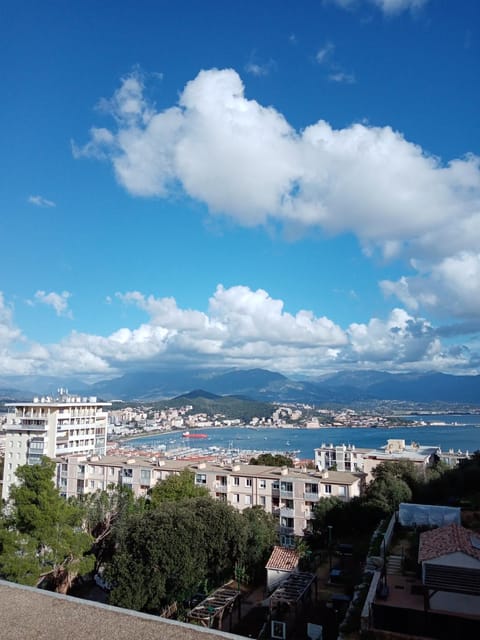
point(407, 425)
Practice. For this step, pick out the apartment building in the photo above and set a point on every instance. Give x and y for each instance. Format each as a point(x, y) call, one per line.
point(52, 427)
point(350, 458)
point(289, 494)
point(79, 475)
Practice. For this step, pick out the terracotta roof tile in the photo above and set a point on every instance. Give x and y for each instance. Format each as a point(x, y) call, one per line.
point(283, 559)
point(445, 540)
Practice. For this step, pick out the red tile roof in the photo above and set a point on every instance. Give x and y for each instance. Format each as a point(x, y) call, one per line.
point(283, 559)
point(445, 540)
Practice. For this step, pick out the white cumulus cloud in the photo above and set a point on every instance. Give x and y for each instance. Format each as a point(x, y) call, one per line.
point(241, 328)
point(450, 287)
point(244, 160)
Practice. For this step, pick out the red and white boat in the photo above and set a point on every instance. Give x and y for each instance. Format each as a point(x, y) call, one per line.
point(187, 434)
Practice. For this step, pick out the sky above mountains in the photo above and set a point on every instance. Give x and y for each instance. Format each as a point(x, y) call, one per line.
point(293, 186)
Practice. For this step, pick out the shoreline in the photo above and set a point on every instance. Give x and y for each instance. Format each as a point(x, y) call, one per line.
point(163, 432)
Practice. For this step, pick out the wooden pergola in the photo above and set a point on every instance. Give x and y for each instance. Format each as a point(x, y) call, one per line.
point(215, 606)
point(295, 589)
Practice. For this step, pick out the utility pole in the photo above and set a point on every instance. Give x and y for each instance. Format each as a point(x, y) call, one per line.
point(330, 545)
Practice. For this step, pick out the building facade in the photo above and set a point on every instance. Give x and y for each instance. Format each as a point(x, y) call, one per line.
point(288, 494)
point(349, 458)
point(52, 427)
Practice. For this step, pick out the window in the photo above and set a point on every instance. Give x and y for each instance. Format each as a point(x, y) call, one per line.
point(328, 488)
point(263, 501)
point(236, 482)
point(92, 484)
point(248, 499)
point(263, 484)
point(145, 475)
point(236, 497)
point(342, 491)
point(201, 478)
point(286, 486)
point(287, 541)
point(248, 482)
point(127, 473)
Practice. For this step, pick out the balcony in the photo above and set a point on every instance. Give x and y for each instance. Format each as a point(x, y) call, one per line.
point(286, 512)
point(311, 497)
point(220, 487)
point(286, 531)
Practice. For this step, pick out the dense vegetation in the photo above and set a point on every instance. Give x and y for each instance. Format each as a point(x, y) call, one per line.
point(151, 550)
point(230, 407)
point(396, 482)
point(272, 460)
point(42, 540)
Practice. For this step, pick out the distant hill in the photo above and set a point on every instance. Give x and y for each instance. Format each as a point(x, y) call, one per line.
point(230, 407)
point(261, 385)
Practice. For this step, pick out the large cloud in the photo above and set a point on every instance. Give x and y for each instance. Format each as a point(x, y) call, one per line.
point(245, 161)
point(241, 328)
point(450, 287)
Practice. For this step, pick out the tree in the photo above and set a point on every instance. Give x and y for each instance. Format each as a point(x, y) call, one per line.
point(164, 554)
point(177, 487)
point(107, 511)
point(272, 460)
point(260, 536)
point(387, 492)
point(43, 541)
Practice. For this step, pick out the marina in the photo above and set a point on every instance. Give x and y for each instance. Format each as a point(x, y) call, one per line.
point(300, 443)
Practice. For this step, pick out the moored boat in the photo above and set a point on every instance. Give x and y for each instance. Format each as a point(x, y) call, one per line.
point(187, 434)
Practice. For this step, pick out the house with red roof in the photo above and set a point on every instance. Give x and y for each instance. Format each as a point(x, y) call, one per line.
point(450, 561)
point(282, 562)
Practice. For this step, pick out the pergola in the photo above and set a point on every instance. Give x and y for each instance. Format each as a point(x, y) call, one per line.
point(293, 590)
point(215, 606)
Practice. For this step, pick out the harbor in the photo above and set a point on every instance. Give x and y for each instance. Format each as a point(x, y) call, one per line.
point(242, 443)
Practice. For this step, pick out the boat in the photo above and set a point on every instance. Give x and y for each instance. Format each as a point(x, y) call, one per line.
point(187, 434)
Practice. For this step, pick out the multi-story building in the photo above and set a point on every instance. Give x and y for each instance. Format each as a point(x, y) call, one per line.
point(289, 494)
point(349, 458)
point(52, 427)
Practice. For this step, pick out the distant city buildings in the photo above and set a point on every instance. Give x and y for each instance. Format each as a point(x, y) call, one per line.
point(350, 458)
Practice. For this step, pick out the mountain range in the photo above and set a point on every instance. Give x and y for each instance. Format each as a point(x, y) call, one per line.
point(343, 387)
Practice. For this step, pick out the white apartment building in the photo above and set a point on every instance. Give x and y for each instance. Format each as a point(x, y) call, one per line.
point(349, 458)
point(52, 427)
point(289, 494)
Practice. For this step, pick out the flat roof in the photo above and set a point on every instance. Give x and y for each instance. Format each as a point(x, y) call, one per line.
point(34, 614)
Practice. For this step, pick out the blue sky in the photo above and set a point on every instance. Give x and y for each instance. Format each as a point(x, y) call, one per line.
point(239, 184)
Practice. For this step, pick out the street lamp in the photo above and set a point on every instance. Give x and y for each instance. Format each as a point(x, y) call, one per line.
point(330, 545)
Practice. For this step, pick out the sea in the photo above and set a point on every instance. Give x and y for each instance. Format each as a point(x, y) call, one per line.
point(457, 432)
